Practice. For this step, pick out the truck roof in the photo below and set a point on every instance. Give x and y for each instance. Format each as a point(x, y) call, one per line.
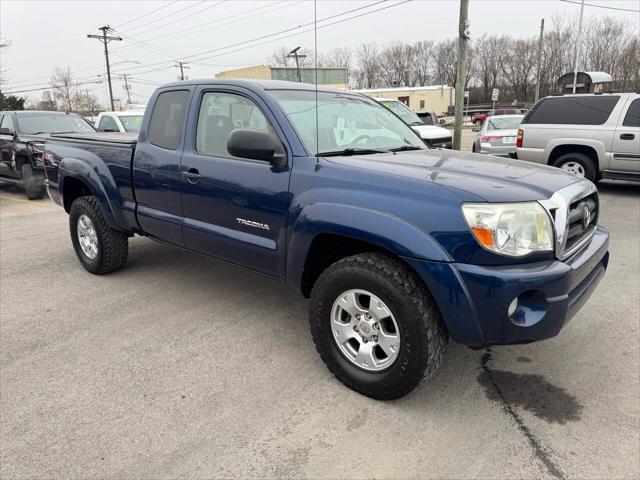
point(263, 84)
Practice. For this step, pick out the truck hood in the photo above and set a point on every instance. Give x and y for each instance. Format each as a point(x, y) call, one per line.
point(431, 131)
point(490, 178)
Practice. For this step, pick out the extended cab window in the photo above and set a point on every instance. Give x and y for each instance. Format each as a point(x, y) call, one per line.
point(167, 119)
point(632, 118)
point(572, 110)
point(221, 113)
point(107, 124)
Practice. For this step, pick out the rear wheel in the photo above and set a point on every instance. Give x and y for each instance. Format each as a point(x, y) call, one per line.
point(577, 163)
point(100, 248)
point(375, 326)
point(33, 182)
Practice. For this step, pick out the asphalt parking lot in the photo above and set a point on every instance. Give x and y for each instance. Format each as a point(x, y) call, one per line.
point(180, 366)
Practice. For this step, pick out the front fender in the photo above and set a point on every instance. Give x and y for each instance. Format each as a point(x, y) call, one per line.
point(101, 184)
point(378, 228)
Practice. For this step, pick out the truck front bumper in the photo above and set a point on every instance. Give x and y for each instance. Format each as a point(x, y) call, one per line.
point(488, 305)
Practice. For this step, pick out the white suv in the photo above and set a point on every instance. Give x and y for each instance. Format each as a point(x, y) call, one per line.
point(125, 121)
point(592, 135)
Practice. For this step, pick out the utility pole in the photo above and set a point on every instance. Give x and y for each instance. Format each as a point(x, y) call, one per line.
point(127, 87)
point(182, 66)
point(294, 54)
point(539, 59)
point(463, 37)
point(105, 39)
point(578, 48)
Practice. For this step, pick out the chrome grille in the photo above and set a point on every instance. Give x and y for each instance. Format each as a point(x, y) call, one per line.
point(436, 142)
point(574, 210)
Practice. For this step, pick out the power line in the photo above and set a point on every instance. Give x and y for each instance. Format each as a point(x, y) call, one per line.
point(208, 25)
point(51, 86)
point(146, 14)
point(163, 17)
point(286, 30)
point(601, 6)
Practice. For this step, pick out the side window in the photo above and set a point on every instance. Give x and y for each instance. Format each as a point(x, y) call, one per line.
point(632, 118)
point(7, 123)
point(107, 123)
point(167, 119)
point(220, 114)
point(572, 110)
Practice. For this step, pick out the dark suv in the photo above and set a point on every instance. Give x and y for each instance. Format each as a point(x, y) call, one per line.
point(22, 135)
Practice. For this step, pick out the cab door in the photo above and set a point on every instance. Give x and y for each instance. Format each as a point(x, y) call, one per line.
point(235, 209)
point(626, 141)
point(156, 167)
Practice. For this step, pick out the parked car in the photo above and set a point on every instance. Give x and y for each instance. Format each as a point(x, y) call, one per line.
point(125, 121)
point(398, 246)
point(591, 135)
point(478, 118)
point(498, 135)
point(432, 135)
point(22, 135)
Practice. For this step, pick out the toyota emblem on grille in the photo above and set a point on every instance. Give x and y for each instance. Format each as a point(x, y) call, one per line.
point(586, 217)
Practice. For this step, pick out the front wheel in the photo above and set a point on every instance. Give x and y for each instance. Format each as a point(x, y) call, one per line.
point(375, 326)
point(100, 248)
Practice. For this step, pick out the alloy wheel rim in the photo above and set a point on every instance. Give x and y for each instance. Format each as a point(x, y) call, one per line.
point(574, 167)
point(87, 236)
point(365, 330)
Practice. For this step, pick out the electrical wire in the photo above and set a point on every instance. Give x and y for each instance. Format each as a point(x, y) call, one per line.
point(146, 14)
point(601, 6)
point(162, 18)
point(286, 30)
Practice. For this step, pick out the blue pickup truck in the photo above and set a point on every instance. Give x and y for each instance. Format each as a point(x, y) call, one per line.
point(398, 246)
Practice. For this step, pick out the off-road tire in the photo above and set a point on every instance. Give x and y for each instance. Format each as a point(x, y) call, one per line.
point(113, 246)
point(586, 162)
point(33, 182)
point(423, 337)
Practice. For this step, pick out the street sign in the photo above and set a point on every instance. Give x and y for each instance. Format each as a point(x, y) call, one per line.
point(494, 95)
point(466, 94)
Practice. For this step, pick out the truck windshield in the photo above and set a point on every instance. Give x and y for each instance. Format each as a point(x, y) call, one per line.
point(131, 123)
point(36, 124)
point(404, 112)
point(345, 123)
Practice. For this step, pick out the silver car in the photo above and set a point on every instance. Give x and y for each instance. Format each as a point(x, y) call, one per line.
point(498, 135)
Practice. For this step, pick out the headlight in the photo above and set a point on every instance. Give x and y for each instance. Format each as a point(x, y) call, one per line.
point(513, 229)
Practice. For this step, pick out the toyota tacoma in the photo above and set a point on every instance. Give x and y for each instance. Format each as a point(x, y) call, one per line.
point(398, 246)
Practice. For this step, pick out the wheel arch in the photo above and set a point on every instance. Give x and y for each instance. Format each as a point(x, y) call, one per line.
point(594, 151)
point(77, 179)
point(326, 233)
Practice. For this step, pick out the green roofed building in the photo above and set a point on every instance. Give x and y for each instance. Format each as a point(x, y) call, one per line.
point(327, 77)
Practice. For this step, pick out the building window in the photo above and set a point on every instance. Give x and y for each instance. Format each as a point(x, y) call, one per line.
point(421, 103)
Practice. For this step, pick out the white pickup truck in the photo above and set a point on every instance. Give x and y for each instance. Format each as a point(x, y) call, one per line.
point(595, 136)
point(127, 121)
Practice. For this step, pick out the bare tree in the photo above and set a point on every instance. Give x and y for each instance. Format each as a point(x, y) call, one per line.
point(63, 88)
point(368, 71)
point(518, 66)
point(423, 63)
point(4, 45)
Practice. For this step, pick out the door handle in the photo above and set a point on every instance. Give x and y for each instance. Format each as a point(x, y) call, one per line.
point(192, 175)
point(627, 136)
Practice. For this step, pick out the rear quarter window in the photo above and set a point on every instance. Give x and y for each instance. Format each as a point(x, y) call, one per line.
point(570, 110)
point(167, 119)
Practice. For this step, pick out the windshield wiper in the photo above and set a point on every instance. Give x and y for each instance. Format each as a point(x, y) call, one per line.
point(350, 151)
point(404, 148)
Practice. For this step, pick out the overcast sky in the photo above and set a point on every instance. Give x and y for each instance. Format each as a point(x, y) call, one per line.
point(208, 34)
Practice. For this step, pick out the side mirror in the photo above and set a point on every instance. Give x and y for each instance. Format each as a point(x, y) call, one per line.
point(254, 145)
point(106, 130)
point(6, 131)
point(475, 129)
